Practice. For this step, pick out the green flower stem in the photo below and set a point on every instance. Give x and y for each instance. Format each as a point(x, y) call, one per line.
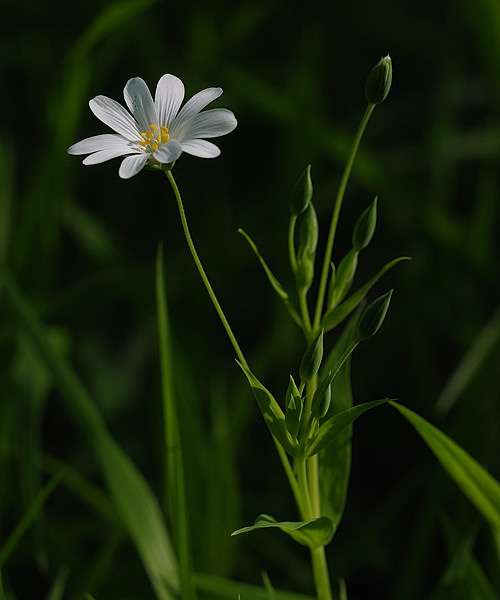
point(335, 216)
point(320, 572)
point(281, 452)
point(290, 476)
point(310, 511)
point(304, 310)
point(202, 273)
point(291, 243)
point(302, 480)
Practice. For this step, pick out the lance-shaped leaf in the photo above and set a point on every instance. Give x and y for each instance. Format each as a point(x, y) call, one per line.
point(335, 460)
point(278, 288)
point(331, 428)
point(313, 534)
point(272, 413)
point(476, 483)
point(335, 316)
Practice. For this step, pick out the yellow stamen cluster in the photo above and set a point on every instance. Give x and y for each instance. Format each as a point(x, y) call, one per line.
point(155, 137)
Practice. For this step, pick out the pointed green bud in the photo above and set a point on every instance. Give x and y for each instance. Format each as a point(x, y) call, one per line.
point(306, 253)
point(379, 80)
point(365, 227)
point(293, 404)
point(301, 193)
point(373, 316)
point(311, 361)
point(344, 277)
point(324, 403)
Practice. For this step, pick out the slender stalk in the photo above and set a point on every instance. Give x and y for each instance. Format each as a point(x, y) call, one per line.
point(335, 216)
point(202, 273)
point(281, 452)
point(320, 572)
point(291, 244)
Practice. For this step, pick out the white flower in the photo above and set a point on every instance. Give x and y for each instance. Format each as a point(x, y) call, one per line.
point(155, 132)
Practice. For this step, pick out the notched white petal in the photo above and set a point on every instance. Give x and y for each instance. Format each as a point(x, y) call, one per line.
point(210, 124)
point(99, 142)
point(168, 98)
point(200, 148)
point(104, 155)
point(194, 106)
point(168, 153)
point(131, 165)
point(140, 103)
point(112, 114)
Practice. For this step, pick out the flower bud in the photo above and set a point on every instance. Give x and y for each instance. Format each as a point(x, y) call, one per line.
point(324, 404)
point(373, 316)
point(311, 361)
point(301, 193)
point(293, 404)
point(306, 253)
point(365, 227)
point(344, 277)
point(379, 80)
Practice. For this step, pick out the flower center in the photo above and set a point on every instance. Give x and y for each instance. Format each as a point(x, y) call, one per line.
point(154, 138)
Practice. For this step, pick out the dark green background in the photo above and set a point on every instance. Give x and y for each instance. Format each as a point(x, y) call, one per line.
point(81, 243)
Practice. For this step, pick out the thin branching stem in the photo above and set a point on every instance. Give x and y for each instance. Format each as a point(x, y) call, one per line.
point(202, 273)
point(335, 217)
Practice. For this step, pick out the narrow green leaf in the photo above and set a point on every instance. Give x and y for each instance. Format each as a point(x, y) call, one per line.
point(272, 413)
point(131, 493)
point(174, 479)
point(334, 426)
point(335, 316)
point(313, 534)
point(335, 460)
point(476, 483)
point(11, 542)
point(470, 364)
point(278, 288)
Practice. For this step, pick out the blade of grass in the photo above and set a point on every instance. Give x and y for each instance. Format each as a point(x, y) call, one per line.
point(476, 483)
point(27, 519)
point(470, 364)
point(132, 495)
point(175, 486)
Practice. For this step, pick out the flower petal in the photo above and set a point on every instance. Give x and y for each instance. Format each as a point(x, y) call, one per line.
point(209, 124)
point(112, 114)
point(104, 155)
point(140, 103)
point(168, 98)
point(99, 142)
point(200, 148)
point(169, 152)
point(131, 165)
point(191, 109)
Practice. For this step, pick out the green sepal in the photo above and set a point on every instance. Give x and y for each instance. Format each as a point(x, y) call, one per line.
point(331, 428)
point(313, 534)
point(311, 361)
point(324, 405)
point(365, 227)
point(344, 277)
point(293, 404)
point(278, 288)
point(373, 316)
point(272, 413)
point(302, 192)
point(337, 314)
point(379, 80)
point(306, 252)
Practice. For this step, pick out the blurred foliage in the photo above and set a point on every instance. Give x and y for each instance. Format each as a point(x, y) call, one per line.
point(81, 243)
